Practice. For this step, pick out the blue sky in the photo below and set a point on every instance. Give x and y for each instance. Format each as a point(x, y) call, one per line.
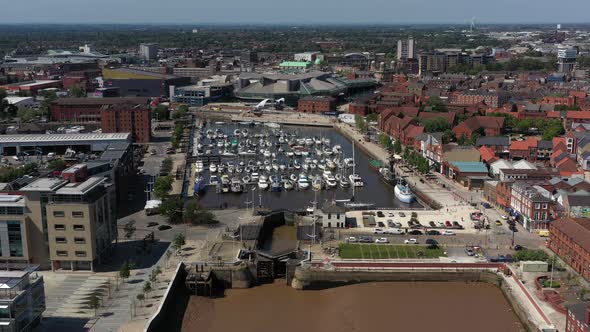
point(295, 11)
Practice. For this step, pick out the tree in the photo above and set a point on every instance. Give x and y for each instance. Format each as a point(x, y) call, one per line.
point(147, 288)
point(140, 298)
point(181, 112)
point(437, 105)
point(178, 242)
point(531, 255)
point(160, 113)
point(129, 229)
point(56, 164)
point(76, 91)
point(194, 214)
point(125, 270)
point(48, 97)
point(163, 186)
point(94, 303)
point(397, 147)
point(448, 136)
point(372, 117)
point(26, 114)
point(360, 122)
point(171, 207)
point(436, 124)
point(385, 140)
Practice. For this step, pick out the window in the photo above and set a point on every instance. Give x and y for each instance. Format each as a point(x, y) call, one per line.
point(77, 214)
point(61, 240)
point(60, 227)
point(78, 227)
point(80, 253)
point(59, 214)
point(545, 206)
point(15, 241)
point(62, 253)
point(537, 206)
point(79, 240)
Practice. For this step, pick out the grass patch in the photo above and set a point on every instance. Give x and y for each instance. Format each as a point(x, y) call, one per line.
point(380, 251)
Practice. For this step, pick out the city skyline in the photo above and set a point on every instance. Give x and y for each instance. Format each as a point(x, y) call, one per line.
point(302, 12)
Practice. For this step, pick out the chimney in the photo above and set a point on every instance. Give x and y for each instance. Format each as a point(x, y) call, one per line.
point(587, 320)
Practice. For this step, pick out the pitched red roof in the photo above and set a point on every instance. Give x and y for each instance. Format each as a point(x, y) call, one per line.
point(487, 154)
point(450, 116)
point(530, 142)
point(413, 131)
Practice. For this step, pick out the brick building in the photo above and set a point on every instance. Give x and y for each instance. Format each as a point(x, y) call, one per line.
point(533, 204)
point(82, 110)
point(488, 125)
point(127, 118)
point(492, 99)
point(569, 238)
point(316, 104)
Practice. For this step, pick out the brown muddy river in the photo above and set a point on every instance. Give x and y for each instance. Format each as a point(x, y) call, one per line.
point(386, 306)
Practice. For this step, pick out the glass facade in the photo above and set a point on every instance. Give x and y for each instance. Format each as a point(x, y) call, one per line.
point(15, 239)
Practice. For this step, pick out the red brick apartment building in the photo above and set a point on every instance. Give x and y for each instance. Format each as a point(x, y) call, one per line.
point(125, 118)
point(569, 238)
point(316, 104)
point(82, 110)
point(492, 99)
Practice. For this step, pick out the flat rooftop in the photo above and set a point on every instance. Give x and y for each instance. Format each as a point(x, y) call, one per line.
point(44, 184)
point(12, 200)
point(94, 137)
point(80, 188)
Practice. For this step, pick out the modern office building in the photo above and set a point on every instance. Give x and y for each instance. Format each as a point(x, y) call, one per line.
point(148, 51)
point(566, 59)
point(430, 62)
point(14, 230)
point(11, 145)
point(405, 49)
point(202, 94)
point(73, 223)
point(22, 297)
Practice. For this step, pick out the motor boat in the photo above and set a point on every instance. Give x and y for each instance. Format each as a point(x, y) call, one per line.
point(213, 180)
point(246, 179)
point(402, 192)
point(263, 182)
point(344, 182)
point(302, 182)
point(331, 182)
point(200, 185)
point(348, 162)
point(275, 183)
point(225, 184)
point(212, 168)
point(356, 180)
point(293, 177)
point(236, 185)
point(288, 184)
point(316, 184)
point(254, 177)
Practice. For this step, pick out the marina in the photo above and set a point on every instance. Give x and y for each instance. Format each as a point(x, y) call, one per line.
point(245, 164)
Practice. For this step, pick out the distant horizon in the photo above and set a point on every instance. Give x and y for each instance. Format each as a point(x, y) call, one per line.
point(301, 12)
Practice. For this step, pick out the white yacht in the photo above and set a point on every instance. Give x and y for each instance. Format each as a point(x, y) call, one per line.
point(356, 180)
point(402, 192)
point(302, 182)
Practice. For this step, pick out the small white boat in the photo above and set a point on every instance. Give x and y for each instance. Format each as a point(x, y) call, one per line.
point(402, 192)
point(356, 180)
point(263, 182)
point(246, 179)
point(293, 177)
point(302, 182)
point(288, 184)
point(212, 168)
point(316, 184)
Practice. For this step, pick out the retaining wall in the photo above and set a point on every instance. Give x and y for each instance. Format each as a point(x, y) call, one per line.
point(169, 315)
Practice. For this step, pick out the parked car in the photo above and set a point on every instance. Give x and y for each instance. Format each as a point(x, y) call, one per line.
point(486, 205)
point(390, 214)
point(469, 251)
point(395, 231)
point(415, 232)
point(351, 239)
point(505, 217)
point(401, 214)
point(164, 227)
point(380, 214)
point(448, 232)
point(498, 223)
point(378, 231)
point(432, 232)
point(432, 224)
point(431, 242)
point(448, 224)
point(382, 240)
point(366, 239)
point(440, 224)
point(152, 224)
point(397, 224)
point(390, 223)
point(518, 247)
point(411, 241)
point(457, 225)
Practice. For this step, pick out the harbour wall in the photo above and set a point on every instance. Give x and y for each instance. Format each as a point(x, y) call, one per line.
point(314, 278)
point(168, 316)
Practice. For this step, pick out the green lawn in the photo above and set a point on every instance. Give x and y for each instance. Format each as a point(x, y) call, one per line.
point(383, 251)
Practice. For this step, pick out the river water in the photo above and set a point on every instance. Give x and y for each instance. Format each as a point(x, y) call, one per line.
point(374, 190)
point(386, 306)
